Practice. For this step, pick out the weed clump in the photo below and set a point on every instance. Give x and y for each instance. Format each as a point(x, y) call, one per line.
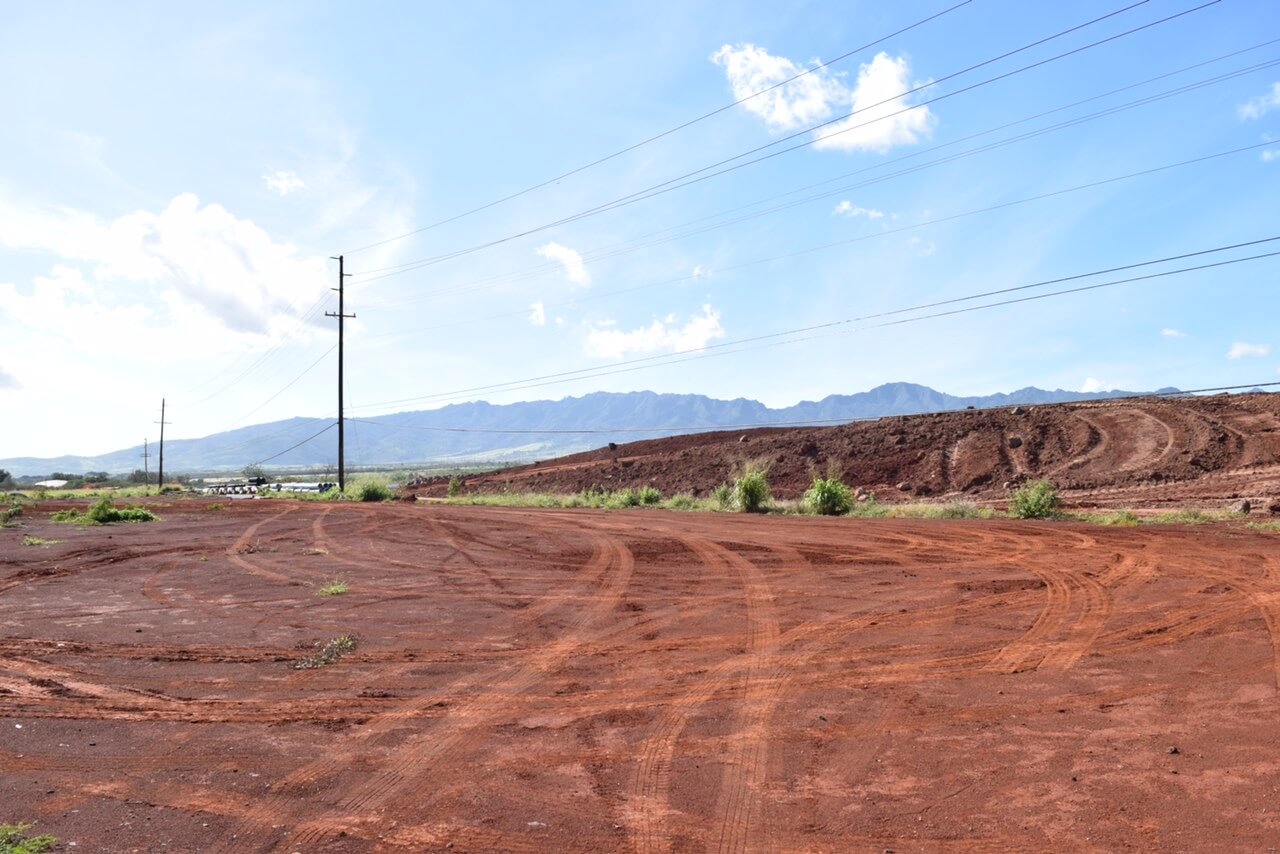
point(455, 486)
point(372, 490)
point(39, 541)
point(103, 512)
point(10, 513)
point(334, 588)
point(828, 497)
point(14, 840)
point(327, 653)
point(1038, 500)
point(751, 489)
point(722, 495)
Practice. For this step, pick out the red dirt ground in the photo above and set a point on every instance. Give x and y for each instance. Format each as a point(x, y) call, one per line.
point(1146, 452)
point(553, 680)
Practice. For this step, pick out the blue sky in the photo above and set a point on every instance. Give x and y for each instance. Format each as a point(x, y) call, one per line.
point(174, 178)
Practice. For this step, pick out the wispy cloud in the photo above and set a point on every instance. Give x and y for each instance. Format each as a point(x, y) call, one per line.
point(1256, 108)
point(283, 183)
point(1173, 333)
point(668, 333)
point(8, 381)
point(849, 209)
point(1243, 350)
point(822, 93)
point(538, 314)
point(575, 270)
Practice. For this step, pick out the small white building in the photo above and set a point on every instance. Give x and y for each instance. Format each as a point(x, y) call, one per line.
point(51, 484)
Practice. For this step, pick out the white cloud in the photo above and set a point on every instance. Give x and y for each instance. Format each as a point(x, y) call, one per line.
point(700, 272)
point(1256, 108)
point(1243, 349)
point(849, 209)
point(538, 314)
point(751, 69)
point(1269, 154)
point(283, 183)
point(201, 262)
point(665, 334)
point(1173, 333)
point(574, 268)
point(8, 381)
point(873, 126)
point(818, 95)
point(1092, 384)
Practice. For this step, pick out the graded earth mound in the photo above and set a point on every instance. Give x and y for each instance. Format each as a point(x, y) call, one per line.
point(1135, 452)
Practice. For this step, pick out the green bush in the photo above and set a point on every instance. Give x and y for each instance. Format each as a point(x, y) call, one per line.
point(828, 497)
point(455, 486)
point(751, 490)
point(683, 502)
point(372, 490)
point(14, 840)
point(723, 496)
point(103, 512)
point(1038, 500)
point(650, 496)
point(10, 513)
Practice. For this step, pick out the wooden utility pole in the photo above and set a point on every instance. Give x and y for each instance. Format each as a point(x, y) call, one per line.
point(161, 422)
point(146, 468)
point(342, 316)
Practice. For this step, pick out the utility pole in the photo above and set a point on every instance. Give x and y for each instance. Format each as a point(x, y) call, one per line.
point(146, 468)
point(342, 316)
point(161, 422)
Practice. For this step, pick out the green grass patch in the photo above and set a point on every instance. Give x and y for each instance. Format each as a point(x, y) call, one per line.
point(39, 541)
point(1037, 500)
point(1269, 527)
point(103, 512)
point(334, 588)
point(327, 653)
point(828, 497)
point(14, 839)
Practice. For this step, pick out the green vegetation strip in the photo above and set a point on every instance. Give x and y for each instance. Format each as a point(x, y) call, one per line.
point(104, 513)
point(14, 840)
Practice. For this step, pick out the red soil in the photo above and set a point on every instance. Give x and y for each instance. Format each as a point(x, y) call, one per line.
point(552, 680)
point(1142, 452)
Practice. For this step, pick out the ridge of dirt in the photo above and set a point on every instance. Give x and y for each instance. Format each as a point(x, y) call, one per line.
point(1138, 451)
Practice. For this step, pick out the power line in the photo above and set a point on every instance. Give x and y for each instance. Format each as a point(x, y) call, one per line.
point(286, 387)
point(635, 245)
point(861, 238)
point(702, 352)
point(697, 176)
point(664, 133)
point(299, 445)
point(816, 422)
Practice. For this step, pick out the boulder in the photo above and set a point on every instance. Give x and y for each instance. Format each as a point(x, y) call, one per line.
point(904, 486)
point(1015, 442)
point(1274, 507)
point(1019, 410)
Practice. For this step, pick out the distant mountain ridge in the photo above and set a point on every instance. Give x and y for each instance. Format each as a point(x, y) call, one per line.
point(446, 434)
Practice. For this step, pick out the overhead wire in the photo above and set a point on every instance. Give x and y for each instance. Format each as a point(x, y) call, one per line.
point(703, 352)
point(705, 173)
point(606, 158)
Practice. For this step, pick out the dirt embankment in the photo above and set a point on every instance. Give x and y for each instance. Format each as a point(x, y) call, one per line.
point(1141, 451)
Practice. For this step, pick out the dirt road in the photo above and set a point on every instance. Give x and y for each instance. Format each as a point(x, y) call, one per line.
point(649, 681)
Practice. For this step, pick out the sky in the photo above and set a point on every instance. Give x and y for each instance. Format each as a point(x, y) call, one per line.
point(175, 179)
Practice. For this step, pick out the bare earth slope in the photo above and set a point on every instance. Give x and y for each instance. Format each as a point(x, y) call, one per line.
point(643, 681)
point(1143, 451)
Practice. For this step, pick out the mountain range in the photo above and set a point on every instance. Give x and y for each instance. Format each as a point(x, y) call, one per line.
point(482, 432)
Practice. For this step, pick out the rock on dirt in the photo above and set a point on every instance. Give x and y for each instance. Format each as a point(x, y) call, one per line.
point(1274, 507)
point(1015, 442)
point(1245, 507)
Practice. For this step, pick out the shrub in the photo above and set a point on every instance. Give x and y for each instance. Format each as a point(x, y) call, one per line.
point(828, 497)
point(723, 496)
point(14, 840)
point(650, 496)
point(683, 502)
point(10, 513)
point(751, 490)
point(455, 486)
point(1038, 500)
point(103, 512)
point(372, 490)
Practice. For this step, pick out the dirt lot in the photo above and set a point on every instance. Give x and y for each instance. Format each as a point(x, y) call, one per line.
point(553, 680)
point(1148, 452)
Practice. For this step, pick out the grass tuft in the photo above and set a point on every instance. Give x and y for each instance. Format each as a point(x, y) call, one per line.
point(39, 541)
point(751, 489)
point(334, 588)
point(14, 840)
point(327, 653)
point(828, 497)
